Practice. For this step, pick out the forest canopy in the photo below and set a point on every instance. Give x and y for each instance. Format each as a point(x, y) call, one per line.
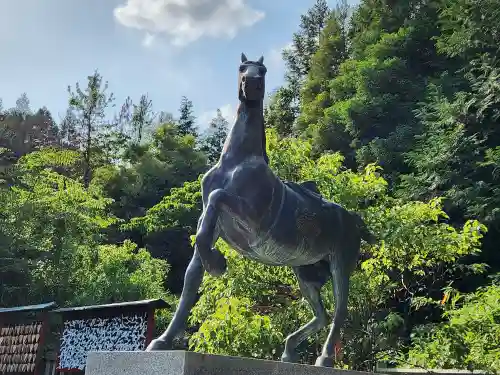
point(390, 106)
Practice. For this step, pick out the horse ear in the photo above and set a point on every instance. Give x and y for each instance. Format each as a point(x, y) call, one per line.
point(261, 60)
point(243, 58)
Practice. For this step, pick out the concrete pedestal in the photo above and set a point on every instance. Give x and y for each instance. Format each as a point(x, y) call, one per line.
point(189, 363)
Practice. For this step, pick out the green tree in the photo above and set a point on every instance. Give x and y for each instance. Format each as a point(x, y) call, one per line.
point(455, 154)
point(89, 106)
point(305, 40)
point(469, 338)
point(48, 217)
point(124, 116)
point(187, 120)
point(51, 240)
point(121, 273)
point(69, 136)
point(281, 111)
point(164, 162)
point(315, 96)
point(22, 105)
point(283, 108)
point(142, 117)
point(213, 140)
point(22, 130)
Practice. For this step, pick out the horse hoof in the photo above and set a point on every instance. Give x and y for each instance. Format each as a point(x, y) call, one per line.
point(289, 357)
point(323, 361)
point(217, 265)
point(158, 344)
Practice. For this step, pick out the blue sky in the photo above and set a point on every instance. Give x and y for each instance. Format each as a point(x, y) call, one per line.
point(166, 48)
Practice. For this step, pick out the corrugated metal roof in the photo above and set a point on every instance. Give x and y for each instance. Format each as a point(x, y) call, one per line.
point(29, 308)
point(153, 303)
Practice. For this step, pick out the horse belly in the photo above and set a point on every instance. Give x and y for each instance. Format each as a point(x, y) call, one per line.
point(297, 235)
point(272, 252)
point(262, 247)
point(294, 235)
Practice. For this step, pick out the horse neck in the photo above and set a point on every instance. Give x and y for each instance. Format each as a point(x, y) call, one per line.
point(247, 136)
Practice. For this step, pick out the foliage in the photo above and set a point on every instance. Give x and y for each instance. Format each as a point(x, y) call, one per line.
point(178, 209)
point(47, 219)
point(166, 162)
point(281, 111)
point(119, 273)
point(212, 141)
point(89, 106)
point(237, 330)
point(332, 51)
point(187, 120)
point(416, 92)
point(283, 108)
point(52, 240)
point(469, 339)
point(23, 131)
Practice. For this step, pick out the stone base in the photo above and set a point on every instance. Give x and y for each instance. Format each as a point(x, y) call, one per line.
point(190, 363)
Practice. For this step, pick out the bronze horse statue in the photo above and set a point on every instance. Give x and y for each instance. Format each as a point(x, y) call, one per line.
point(270, 221)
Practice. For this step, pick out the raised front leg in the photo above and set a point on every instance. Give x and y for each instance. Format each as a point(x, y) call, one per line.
point(213, 261)
point(192, 282)
point(310, 288)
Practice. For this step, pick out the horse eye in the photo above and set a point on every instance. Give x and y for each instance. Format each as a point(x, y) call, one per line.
point(242, 68)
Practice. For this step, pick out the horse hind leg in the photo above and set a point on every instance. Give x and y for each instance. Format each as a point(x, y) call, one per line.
point(341, 272)
point(311, 279)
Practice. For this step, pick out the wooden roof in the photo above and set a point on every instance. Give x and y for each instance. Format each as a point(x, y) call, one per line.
point(28, 308)
point(111, 308)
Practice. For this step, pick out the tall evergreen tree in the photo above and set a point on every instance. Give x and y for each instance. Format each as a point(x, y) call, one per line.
point(213, 140)
point(315, 96)
point(284, 105)
point(187, 120)
point(163, 117)
point(68, 132)
point(305, 41)
point(142, 117)
point(90, 105)
point(124, 116)
point(23, 105)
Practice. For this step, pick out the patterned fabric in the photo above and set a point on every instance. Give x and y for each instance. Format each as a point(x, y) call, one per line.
point(80, 336)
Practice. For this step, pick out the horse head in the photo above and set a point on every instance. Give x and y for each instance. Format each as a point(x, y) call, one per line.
point(251, 79)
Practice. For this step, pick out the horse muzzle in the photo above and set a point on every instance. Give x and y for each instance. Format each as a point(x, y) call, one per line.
point(253, 88)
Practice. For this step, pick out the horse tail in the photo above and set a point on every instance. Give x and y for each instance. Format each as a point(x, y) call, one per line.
point(364, 232)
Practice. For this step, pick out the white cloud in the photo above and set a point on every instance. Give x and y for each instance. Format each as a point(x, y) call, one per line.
point(185, 21)
point(228, 112)
point(148, 40)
